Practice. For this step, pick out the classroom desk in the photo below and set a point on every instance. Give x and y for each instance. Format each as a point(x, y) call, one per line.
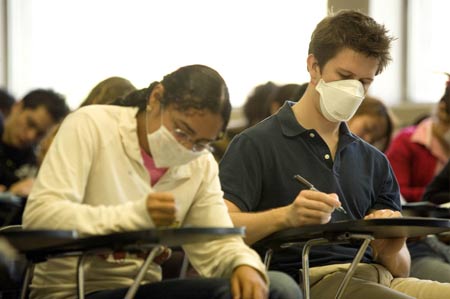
point(345, 232)
point(53, 244)
point(425, 209)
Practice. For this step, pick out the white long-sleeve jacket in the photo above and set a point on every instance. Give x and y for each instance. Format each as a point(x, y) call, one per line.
point(93, 181)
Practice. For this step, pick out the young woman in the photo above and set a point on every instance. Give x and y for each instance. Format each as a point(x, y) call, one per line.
point(146, 165)
point(373, 123)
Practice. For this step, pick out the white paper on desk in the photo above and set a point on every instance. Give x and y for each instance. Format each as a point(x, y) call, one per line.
point(445, 205)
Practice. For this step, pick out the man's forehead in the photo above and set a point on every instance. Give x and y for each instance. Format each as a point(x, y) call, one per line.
point(355, 63)
point(41, 115)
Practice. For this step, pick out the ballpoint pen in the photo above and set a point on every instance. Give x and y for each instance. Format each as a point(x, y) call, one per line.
point(306, 183)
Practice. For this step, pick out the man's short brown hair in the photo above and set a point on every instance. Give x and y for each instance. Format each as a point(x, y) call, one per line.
point(353, 30)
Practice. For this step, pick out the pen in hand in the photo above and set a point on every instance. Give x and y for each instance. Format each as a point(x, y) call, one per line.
point(306, 183)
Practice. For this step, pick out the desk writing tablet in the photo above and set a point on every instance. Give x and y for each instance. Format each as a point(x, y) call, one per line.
point(378, 228)
point(344, 231)
point(41, 243)
point(425, 209)
point(169, 237)
point(29, 240)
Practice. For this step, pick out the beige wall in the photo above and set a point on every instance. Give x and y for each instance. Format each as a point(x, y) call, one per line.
point(406, 114)
point(361, 5)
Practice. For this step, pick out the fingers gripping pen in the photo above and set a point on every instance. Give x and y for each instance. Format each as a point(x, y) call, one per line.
point(307, 184)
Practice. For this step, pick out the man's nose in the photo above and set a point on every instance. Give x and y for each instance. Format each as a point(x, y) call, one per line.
point(31, 135)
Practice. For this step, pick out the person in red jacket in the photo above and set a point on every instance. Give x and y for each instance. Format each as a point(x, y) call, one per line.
point(417, 153)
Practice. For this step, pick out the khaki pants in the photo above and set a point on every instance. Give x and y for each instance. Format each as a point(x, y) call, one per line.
point(372, 281)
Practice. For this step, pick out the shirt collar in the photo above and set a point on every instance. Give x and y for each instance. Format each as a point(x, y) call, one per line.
point(290, 126)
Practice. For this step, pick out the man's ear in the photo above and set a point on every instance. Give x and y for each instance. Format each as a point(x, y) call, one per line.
point(313, 69)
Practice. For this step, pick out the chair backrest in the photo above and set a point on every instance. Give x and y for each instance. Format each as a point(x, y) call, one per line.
point(12, 267)
point(11, 209)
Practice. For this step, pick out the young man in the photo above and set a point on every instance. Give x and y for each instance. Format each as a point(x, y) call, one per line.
point(311, 138)
point(28, 121)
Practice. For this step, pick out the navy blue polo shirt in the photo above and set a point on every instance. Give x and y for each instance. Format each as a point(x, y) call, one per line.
point(257, 172)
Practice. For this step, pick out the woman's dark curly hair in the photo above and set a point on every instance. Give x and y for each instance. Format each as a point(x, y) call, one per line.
point(193, 86)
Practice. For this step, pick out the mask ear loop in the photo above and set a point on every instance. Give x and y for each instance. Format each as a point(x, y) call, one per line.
point(147, 110)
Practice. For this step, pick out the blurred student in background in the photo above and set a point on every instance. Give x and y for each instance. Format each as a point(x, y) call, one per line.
point(264, 100)
point(29, 121)
point(417, 153)
point(108, 90)
point(105, 92)
point(287, 92)
point(438, 191)
point(373, 123)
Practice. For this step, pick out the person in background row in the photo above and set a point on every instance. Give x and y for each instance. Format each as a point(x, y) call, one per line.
point(417, 153)
point(108, 90)
point(438, 191)
point(6, 102)
point(105, 92)
point(373, 123)
point(287, 92)
point(264, 100)
point(30, 119)
point(141, 163)
point(256, 106)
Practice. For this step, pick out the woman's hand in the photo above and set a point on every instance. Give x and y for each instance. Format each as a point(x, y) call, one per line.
point(161, 207)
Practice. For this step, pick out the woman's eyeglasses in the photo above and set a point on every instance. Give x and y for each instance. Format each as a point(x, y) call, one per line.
point(184, 138)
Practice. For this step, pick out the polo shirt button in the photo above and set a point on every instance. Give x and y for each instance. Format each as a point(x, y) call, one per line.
point(312, 135)
point(327, 157)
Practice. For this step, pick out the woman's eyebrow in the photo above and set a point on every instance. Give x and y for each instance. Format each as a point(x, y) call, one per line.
point(188, 128)
point(185, 126)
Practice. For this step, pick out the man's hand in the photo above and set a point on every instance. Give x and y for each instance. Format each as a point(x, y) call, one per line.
point(386, 247)
point(311, 207)
point(248, 283)
point(391, 253)
point(22, 188)
point(162, 208)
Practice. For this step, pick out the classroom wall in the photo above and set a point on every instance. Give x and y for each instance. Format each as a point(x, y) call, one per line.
point(361, 5)
point(405, 112)
point(3, 50)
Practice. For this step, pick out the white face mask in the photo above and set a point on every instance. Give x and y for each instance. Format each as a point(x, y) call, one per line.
point(339, 100)
point(167, 151)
